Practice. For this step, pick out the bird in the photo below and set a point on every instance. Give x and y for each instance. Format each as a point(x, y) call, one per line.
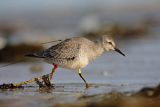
point(76, 53)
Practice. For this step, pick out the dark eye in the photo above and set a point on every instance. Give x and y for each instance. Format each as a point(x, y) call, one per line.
point(110, 43)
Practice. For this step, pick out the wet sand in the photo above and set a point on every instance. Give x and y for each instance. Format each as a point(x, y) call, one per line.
point(76, 95)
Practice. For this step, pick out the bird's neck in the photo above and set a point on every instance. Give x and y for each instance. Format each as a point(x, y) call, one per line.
point(97, 50)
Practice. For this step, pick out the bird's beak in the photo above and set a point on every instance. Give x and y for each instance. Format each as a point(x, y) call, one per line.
point(117, 50)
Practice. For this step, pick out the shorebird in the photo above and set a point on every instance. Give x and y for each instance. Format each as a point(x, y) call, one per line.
point(76, 53)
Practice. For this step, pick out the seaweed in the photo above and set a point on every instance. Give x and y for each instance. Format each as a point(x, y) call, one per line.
point(9, 86)
point(42, 81)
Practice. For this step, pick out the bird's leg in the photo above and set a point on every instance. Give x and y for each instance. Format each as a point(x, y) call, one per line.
point(80, 74)
point(53, 70)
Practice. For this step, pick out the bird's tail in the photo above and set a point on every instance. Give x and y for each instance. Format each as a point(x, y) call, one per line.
point(36, 55)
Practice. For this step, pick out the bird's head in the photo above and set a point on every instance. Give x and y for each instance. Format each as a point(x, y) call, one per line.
point(109, 44)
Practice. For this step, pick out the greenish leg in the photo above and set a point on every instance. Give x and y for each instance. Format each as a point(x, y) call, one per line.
point(80, 74)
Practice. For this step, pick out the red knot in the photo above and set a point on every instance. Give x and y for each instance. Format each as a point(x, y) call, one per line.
point(76, 53)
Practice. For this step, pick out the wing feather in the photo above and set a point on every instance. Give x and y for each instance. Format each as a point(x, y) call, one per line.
point(66, 50)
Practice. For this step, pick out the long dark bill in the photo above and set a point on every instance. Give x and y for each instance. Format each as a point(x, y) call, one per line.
point(117, 50)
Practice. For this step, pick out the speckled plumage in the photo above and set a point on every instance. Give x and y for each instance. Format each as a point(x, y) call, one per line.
point(76, 52)
point(73, 53)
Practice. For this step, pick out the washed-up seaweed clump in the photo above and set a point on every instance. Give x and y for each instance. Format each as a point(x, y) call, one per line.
point(45, 81)
point(42, 81)
point(9, 86)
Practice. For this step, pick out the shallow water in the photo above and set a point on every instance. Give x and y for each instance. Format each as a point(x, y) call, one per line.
point(110, 72)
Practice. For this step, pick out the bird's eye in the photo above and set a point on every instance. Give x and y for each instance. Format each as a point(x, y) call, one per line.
point(110, 43)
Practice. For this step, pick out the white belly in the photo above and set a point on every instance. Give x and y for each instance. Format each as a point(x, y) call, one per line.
point(80, 62)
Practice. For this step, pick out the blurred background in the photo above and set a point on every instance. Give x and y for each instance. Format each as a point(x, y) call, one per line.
point(26, 24)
